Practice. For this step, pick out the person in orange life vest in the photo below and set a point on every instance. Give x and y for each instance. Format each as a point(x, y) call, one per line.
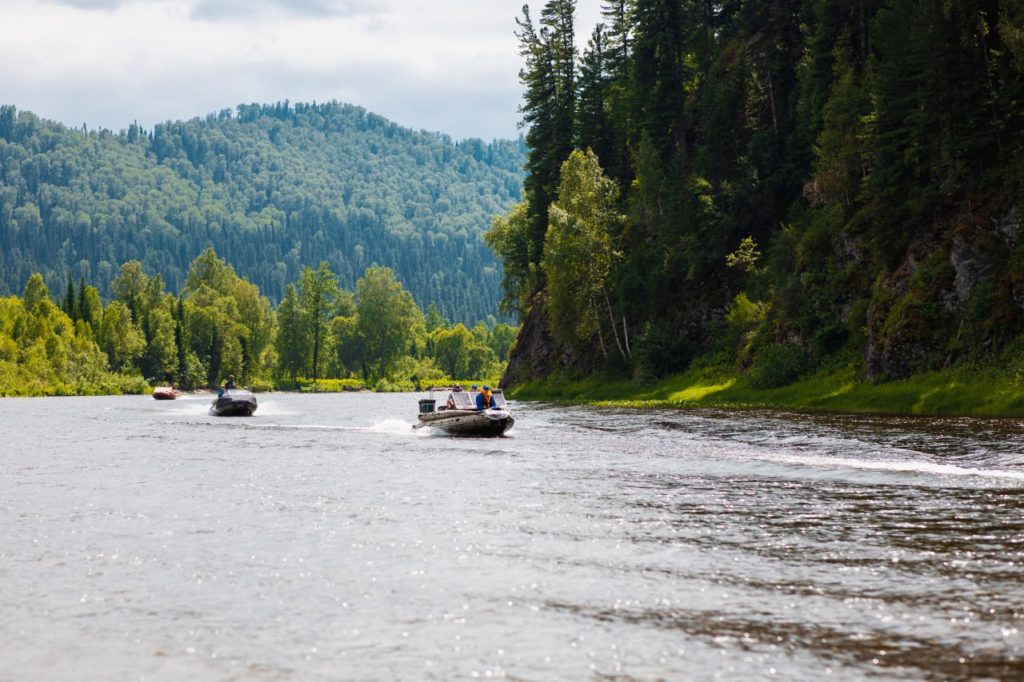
point(484, 399)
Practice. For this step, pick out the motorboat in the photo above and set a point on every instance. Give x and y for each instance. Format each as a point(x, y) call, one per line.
point(233, 402)
point(458, 414)
point(165, 393)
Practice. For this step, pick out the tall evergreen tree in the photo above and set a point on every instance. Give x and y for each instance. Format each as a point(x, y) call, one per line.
point(292, 339)
point(70, 306)
point(548, 110)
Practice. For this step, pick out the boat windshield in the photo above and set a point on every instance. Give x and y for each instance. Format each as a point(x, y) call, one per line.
point(499, 400)
point(463, 401)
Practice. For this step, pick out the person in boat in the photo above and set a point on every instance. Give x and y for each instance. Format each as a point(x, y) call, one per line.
point(450, 405)
point(484, 399)
point(230, 383)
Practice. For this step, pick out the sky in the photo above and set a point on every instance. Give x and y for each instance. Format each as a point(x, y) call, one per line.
point(449, 66)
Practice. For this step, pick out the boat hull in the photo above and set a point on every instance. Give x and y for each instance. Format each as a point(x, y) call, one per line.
point(234, 406)
point(469, 423)
point(164, 393)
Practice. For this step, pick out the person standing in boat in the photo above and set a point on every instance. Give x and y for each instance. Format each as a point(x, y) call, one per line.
point(230, 383)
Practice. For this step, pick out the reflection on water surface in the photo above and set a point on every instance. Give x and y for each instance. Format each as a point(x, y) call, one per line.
point(324, 538)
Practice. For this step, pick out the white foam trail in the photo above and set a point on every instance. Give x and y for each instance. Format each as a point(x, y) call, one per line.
point(272, 407)
point(311, 427)
point(193, 408)
point(915, 467)
point(396, 426)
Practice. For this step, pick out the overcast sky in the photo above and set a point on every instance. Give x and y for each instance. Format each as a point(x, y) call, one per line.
point(441, 65)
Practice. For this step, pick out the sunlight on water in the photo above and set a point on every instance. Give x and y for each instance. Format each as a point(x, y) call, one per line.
point(326, 538)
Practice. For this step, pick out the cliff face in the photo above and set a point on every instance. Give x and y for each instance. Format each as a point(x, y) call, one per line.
point(958, 294)
point(537, 355)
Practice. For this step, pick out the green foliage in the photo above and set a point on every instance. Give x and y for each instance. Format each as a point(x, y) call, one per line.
point(993, 389)
point(349, 351)
point(227, 323)
point(451, 350)
point(388, 321)
point(860, 145)
point(35, 292)
point(549, 113)
point(743, 319)
point(292, 338)
point(502, 339)
point(318, 292)
point(746, 257)
point(119, 337)
point(777, 364)
point(917, 322)
point(579, 255)
point(222, 325)
point(662, 350)
point(44, 352)
point(273, 188)
point(509, 237)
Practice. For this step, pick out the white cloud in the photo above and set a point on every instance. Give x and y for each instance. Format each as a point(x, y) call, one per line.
point(446, 65)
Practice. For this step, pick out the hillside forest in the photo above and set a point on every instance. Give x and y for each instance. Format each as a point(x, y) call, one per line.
point(272, 188)
point(777, 188)
point(320, 336)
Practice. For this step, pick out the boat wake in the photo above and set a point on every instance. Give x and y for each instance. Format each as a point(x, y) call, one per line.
point(273, 407)
point(916, 467)
point(388, 426)
point(396, 427)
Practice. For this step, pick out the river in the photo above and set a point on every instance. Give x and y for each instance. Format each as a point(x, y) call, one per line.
point(323, 538)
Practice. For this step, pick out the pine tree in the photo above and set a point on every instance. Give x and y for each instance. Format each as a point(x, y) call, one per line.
point(70, 306)
point(291, 340)
point(548, 110)
point(593, 126)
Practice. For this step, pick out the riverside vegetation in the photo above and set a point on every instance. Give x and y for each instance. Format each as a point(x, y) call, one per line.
point(803, 203)
point(320, 337)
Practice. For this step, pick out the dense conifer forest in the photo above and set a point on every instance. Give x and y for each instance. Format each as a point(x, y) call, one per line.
point(776, 188)
point(272, 188)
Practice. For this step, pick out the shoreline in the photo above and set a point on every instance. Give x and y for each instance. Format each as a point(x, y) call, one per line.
point(964, 392)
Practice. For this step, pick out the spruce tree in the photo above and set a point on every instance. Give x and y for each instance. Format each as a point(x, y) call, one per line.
point(70, 300)
point(548, 110)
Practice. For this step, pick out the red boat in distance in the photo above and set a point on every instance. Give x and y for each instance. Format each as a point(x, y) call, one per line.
point(165, 393)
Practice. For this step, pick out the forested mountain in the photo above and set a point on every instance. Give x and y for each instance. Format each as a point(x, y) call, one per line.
point(781, 187)
point(272, 188)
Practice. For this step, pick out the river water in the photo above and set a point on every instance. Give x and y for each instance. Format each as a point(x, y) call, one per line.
point(324, 538)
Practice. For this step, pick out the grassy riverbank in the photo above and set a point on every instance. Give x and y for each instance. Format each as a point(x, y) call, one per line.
point(966, 391)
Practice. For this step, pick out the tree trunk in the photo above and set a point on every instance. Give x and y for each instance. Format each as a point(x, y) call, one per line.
point(316, 354)
point(625, 336)
point(611, 318)
point(600, 336)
